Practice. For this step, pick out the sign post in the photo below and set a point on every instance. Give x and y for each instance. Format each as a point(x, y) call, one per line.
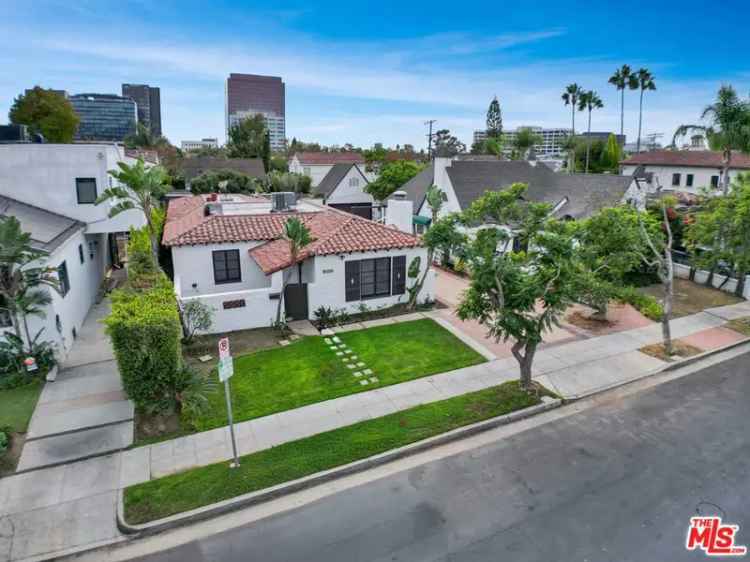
point(226, 370)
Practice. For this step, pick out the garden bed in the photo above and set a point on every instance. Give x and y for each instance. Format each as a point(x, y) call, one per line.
point(210, 484)
point(690, 297)
point(339, 318)
point(679, 350)
point(740, 325)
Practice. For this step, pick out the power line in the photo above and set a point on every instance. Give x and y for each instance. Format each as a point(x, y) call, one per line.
point(431, 122)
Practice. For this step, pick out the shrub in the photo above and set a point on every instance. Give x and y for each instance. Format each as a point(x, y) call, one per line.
point(196, 316)
point(646, 304)
point(4, 442)
point(145, 330)
point(13, 352)
point(223, 181)
point(191, 391)
point(324, 317)
point(141, 262)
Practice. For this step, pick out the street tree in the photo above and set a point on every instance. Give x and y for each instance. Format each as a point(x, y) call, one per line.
point(728, 129)
point(392, 176)
point(47, 113)
point(247, 139)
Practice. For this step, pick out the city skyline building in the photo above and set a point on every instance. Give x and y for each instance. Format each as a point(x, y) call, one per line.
point(104, 117)
point(148, 100)
point(250, 94)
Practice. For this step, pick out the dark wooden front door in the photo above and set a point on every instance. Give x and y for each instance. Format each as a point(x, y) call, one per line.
point(295, 301)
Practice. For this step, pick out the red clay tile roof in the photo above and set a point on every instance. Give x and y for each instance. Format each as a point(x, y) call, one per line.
point(329, 158)
point(333, 232)
point(688, 158)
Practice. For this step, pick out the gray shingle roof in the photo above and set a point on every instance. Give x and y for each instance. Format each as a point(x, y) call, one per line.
point(586, 193)
point(195, 166)
point(416, 188)
point(48, 230)
point(333, 178)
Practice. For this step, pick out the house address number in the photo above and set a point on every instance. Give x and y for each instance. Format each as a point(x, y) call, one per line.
point(228, 305)
point(327, 271)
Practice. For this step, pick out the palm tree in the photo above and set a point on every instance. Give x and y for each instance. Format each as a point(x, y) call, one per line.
point(525, 138)
point(729, 128)
point(20, 280)
point(589, 101)
point(644, 80)
point(435, 199)
point(144, 189)
point(144, 138)
point(297, 236)
point(621, 79)
point(570, 97)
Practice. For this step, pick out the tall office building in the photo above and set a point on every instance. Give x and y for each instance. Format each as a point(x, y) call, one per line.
point(148, 100)
point(553, 140)
point(104, 117)
point(250, 94)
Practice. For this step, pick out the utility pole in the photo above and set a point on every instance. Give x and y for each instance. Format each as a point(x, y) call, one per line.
point(429, 138)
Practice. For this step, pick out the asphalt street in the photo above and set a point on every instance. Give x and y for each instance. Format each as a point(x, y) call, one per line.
point(617, 482)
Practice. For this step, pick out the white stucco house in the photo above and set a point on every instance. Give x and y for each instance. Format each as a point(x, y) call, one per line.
point(316, 165)
point(228, 252)
point(687, 171)
point(343, 188)
point(51, 189)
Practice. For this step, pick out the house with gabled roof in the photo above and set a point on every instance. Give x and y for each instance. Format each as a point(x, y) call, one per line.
point(316, 165)
point(343, 188)
point(228, 252)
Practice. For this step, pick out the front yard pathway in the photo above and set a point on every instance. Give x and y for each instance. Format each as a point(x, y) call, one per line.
point(572, 370)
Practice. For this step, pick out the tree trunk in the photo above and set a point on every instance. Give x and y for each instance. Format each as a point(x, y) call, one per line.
point(740, 289)
point(414, 296)
point(26, 329)
point(666, 330)
point(640, 122)
point(572, 157)
point(16, 322)
point(588, 144)
point(726, 162)
point(622, 110)
point(284, 282)
point(525, 361)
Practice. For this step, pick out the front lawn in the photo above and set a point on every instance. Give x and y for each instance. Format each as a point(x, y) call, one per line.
point(16, 406)
point(691, 297)
point(210, 484)
point(309, 371)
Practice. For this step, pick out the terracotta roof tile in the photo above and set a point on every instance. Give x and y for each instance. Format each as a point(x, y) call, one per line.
point(689, 158)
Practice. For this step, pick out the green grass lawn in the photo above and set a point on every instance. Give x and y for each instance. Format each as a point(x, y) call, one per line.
point(210, 484)
point(308, 371)
point(17, 405)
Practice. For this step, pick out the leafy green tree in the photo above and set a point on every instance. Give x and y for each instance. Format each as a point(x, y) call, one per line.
point(144, 138)
point(728, 215)
point(247, 139)
point(519, 295)
point(434, 198)
point(611, 155)
point(447, 145)
point(623, 78)
point(392, 176)
point(223, 181)
point(589, 101)
point(523, 141)
point(22, 278)
point(445, 237)
point(297, 236)
point(47, 113)
point(285, 181)
point(494, 120)
point(375, 158)
point(644, 81)
point(143, 190)
point(279, 164)
point(729, 128)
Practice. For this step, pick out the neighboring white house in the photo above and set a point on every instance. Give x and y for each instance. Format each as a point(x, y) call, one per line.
point(316, 165)
point(51, 189)
point(688, 171)
point(344, 188)
point(188, 145)
point(228, 252)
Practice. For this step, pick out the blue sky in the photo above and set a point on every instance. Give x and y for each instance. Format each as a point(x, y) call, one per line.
point(363, 73)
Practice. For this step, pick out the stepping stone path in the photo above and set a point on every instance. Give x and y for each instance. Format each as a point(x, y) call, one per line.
point(363, 375)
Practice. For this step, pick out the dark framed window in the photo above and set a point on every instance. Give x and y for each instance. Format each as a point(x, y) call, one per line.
point(714, 181)
point(86, 191)
point(398, 283)
point(5, 321)
point(227, 266)
point(689, 180)
point(368, 278)
point(676, 179)
point(80, 253)
point(63, 279)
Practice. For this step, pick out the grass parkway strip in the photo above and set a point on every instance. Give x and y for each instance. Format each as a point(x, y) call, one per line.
point(203, 486)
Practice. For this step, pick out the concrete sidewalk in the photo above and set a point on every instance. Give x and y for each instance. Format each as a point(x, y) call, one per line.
point(572, 370)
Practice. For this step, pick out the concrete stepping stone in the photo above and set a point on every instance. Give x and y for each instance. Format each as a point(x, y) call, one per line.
point(336, 339)
point(357, 374)
point(294, 337)
point(361, 364)
point(326, 332)
point(351, 366)
point(327, 340)
point(204, 358)
point(339, 353)
point(283, 342)
point(367, 371)
point(374, 379)
point(363, 382)
point(348, 351)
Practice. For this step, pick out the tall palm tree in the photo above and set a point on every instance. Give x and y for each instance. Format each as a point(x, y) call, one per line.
point(729, 128)
point(589, 101)
point(570, 97)
point(297, 236)
point(20, 278)
point(144, 138)
point(621, 79)
point(143, 190)
point(644, 80)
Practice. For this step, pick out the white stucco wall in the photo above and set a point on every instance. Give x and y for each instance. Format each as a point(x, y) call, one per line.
point(441, 179)
point(701, 176)
point(85, 280)
point(346, 193)
point(45, 175)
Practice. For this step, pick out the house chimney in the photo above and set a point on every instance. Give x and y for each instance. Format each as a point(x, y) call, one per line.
point(400, 212)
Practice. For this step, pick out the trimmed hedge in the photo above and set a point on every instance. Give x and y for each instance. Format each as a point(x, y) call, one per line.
point(145, 330)
point(645, 304)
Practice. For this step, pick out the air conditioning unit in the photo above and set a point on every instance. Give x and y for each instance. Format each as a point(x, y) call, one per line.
point(283, 201)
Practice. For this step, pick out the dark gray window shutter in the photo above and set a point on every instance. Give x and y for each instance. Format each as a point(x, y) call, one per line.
point(399, 275)
point(352, 280)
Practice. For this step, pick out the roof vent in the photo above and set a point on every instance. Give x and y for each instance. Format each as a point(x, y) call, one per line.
point(399, 195)
point(283, 201)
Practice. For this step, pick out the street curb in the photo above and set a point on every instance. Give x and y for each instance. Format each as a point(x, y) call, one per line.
point(300, 484)
point(671, 366)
